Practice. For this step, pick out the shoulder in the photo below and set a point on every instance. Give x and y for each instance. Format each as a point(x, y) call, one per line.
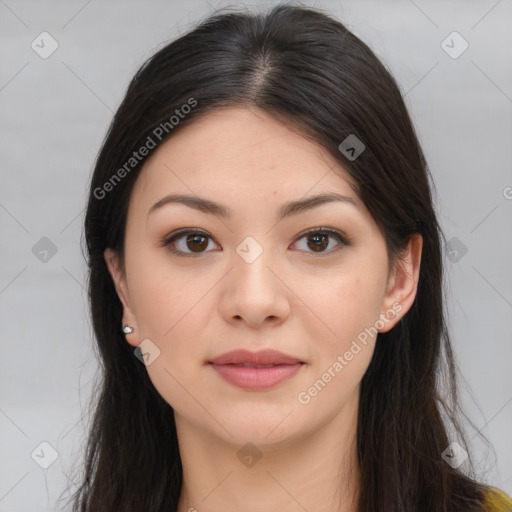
point(495, 500)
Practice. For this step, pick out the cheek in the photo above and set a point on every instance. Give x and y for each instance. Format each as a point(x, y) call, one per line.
point(344, 330)
point(172, 312)
point(176, 318)
point(166, 300)
point(344, 306)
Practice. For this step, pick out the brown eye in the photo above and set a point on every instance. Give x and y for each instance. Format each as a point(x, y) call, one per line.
point(193, 242)
point(188, 243)
point(319, 239)
point(318, 242)
point(196, 243)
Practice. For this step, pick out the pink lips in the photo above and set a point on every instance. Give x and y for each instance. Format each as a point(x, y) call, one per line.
point(256, 371)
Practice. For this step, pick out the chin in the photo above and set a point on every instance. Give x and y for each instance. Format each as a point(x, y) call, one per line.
point(271, 433)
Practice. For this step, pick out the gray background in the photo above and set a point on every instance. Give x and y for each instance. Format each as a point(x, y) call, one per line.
point(54, 114)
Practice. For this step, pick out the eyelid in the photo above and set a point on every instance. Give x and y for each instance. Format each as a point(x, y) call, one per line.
point(339, 235)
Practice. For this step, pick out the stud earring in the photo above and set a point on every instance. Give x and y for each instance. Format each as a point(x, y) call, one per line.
point(127, 329)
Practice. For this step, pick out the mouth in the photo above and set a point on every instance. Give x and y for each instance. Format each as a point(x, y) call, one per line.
point(248, 365)
point(256, 377)
point(256, 371)
point(263, 358)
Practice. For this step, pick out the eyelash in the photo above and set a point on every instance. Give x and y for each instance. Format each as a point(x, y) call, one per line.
point(166, 242)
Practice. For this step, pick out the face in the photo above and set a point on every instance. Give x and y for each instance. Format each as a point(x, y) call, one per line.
point(314, 284)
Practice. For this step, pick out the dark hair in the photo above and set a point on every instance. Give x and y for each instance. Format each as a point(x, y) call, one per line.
point(304, 68)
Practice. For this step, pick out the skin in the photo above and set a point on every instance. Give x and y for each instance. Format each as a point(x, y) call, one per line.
point(304, 303)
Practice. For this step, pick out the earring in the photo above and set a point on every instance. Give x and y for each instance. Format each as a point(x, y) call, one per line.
point(127, 329)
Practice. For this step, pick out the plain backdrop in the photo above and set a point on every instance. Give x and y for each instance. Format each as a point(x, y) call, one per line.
point(54, 115)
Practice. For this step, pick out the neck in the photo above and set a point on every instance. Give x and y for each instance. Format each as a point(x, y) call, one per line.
point(317, 471)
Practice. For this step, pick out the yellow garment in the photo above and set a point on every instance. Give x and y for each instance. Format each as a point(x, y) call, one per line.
point(497, 501)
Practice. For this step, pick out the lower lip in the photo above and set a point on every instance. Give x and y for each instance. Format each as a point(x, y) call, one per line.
point(256, 379)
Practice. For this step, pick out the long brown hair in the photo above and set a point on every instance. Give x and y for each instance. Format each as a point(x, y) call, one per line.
point(301, 66)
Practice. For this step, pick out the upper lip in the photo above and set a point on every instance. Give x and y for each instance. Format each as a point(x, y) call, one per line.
point(262, 357)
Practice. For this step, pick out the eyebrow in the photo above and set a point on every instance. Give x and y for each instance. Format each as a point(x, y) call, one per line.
point(287, 210)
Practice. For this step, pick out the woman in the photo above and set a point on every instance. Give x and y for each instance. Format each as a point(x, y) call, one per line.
point(266, 285)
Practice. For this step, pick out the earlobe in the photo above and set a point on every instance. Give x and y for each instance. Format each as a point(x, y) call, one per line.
point(119, 280)
point(403, 283)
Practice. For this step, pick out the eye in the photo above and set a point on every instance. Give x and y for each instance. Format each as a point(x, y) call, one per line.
point(318, 239)
point(195, 239)
point(197, 242)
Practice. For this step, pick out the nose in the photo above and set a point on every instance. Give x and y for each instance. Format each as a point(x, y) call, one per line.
point(254, 292)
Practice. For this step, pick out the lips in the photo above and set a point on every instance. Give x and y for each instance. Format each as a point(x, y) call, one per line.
point(256, 371)
point(264, 358)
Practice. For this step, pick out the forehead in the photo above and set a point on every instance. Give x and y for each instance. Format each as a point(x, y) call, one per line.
point(239, 151)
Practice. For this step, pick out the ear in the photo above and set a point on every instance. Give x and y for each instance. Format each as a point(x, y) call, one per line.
point(402, 284)
point(119, 279)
